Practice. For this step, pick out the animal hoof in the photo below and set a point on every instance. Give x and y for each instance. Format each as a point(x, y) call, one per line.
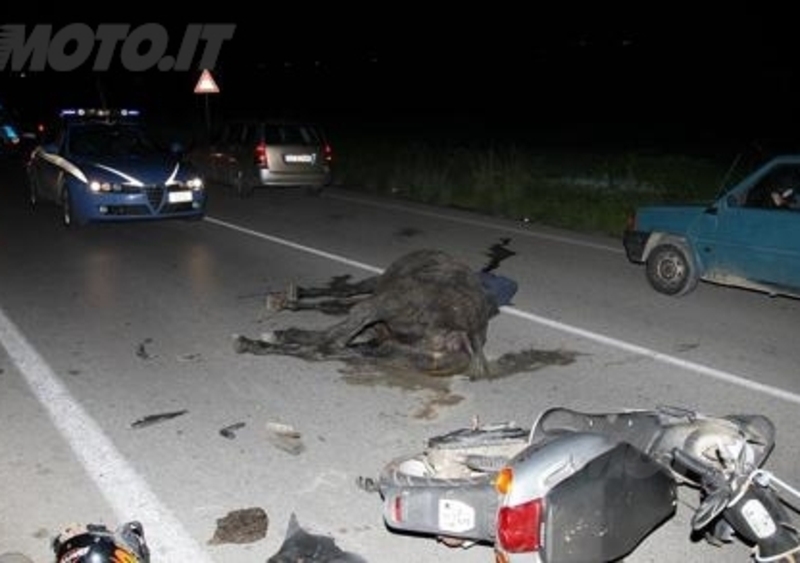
point(291, 293)
point(276, 301)
point(269, 337)
point(239, 344)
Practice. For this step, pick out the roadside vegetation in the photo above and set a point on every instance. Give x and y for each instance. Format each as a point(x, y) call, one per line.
point(590, 191)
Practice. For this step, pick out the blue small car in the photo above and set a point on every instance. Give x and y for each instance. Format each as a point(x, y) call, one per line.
point(101, 165)
point(748, 237)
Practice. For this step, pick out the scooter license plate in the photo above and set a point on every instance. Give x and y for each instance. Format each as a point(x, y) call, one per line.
point(455, 516)
point(758, 518)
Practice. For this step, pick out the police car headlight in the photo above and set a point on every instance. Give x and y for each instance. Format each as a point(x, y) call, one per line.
point(195, 184)
point(104, 187)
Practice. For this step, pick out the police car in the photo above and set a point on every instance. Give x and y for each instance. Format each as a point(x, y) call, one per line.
point(101, 165)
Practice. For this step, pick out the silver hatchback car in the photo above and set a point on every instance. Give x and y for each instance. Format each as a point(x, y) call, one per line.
point(250, 153)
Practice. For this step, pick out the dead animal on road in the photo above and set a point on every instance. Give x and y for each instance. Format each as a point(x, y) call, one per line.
point(428, 310)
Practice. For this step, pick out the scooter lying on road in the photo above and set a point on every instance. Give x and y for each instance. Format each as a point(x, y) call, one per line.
point(581, 487)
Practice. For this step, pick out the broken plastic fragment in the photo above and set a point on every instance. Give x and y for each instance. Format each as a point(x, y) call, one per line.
point(156, 418)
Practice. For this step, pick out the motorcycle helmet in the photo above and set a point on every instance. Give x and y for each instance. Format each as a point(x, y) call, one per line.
point(95, 543)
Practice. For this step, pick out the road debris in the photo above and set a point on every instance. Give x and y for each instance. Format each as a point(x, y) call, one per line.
point(191, 357)
point(246, 525)
point(367, 484)
point(141, 349)
point(302, 546)
point(229, 432)
point(151, 419)
point(285, 437)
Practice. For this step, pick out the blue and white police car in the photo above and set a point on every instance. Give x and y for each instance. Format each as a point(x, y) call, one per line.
point(101, 165)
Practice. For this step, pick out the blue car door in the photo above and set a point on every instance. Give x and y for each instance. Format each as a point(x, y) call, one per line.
point(761, 245)
point(754, 238)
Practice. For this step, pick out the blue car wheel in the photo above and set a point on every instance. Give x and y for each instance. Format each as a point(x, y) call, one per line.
point(671, 271)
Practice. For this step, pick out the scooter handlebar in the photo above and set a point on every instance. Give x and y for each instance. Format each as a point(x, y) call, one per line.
point(710, 477)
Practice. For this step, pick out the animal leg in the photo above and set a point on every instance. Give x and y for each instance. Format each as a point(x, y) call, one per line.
point(478, 364)
point(339, 287)
point(330, 343)
point(306, 344)
point(297, 298)
point(341, 334)
point(339, 306)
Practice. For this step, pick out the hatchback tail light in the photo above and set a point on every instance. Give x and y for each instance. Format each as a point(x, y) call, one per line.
point(261, 156)
point(519, 527)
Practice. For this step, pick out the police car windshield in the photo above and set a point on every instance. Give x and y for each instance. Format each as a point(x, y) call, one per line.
point(110, 139)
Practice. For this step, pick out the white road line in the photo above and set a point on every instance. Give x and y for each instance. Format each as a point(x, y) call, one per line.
point(700, 369)
point(290, 244)
point(484, 224)
point(124, 489)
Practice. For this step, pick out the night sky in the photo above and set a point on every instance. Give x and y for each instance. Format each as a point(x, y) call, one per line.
point(616, 66)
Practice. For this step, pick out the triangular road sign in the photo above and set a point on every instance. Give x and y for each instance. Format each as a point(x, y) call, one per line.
point(206, 84)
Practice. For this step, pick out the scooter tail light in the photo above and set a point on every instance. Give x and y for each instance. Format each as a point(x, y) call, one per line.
point(397, 509)
point(261, 156)
point(519, 527)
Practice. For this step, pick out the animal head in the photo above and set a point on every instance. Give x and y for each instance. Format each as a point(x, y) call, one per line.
point(443, 352)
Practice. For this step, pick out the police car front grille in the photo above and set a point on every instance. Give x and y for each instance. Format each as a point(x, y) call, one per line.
point(127, 210)
point(178, 207)
point(155, 195)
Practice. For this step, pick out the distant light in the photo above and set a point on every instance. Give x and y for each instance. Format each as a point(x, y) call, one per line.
point(99, 112)
point(10, 134)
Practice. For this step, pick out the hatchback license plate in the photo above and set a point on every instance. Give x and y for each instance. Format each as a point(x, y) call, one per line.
point(299, 158)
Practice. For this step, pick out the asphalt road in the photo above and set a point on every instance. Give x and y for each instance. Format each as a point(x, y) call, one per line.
point(103, 325)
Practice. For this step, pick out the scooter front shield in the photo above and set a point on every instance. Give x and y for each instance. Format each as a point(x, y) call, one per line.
point(604, 510)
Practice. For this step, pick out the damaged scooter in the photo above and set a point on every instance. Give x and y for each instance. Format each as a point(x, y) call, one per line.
point(582, 487)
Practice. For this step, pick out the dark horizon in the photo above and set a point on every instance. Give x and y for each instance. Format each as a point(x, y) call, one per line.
point(617, 72)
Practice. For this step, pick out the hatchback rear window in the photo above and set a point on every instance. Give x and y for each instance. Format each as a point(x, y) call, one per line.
point(290, 135)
